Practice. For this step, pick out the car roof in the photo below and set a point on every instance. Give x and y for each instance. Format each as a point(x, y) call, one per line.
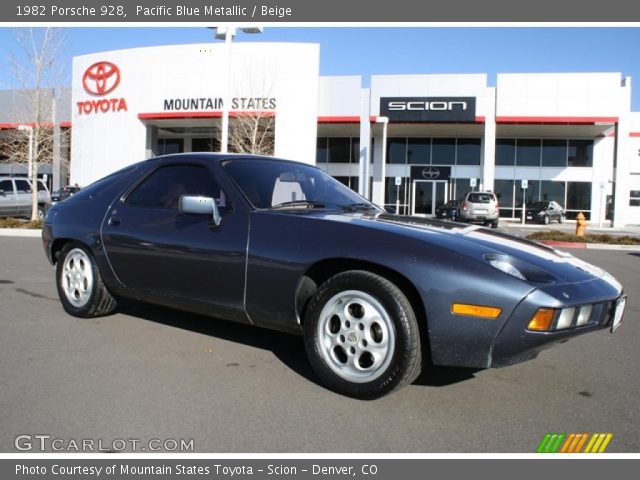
point(221, 157)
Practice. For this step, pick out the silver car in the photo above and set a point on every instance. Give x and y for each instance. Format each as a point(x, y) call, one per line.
point(480, 207)
point(15, 197)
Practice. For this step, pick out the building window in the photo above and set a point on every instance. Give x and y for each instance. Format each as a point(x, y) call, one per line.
point(504, 191)
point(351, 182)
point(552, 191)
point(578, 199)
point(339, 150)
point(634, 198)
point(167, 146)
point(397, 194)
point(205, 145)
point(580, 153)
point(528, 153)
point(443, 151)
point(554, 153)
point(355, 151)
point(419, 151)
point(397, 150)
point(505, 151)
point(468, 151)
point(322, 151)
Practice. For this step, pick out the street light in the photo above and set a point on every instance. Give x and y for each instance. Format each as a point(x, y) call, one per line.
point(385, 122)
point(227, 34)
point(29, 128)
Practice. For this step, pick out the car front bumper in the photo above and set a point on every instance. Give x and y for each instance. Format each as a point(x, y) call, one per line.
point(515, 343)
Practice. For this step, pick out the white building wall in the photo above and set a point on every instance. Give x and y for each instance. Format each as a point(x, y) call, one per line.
point(104, 142)
point(561, 95)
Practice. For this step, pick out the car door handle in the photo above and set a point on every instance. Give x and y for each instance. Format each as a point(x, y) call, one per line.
point(114, 221)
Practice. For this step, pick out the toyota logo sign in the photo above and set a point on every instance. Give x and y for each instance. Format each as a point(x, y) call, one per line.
point(101, 78)
point(431, 172)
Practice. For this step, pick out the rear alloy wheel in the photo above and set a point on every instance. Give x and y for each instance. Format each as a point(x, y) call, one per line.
point(561, 218)
point(80, 287)
point(545, 219)
point(361, 335)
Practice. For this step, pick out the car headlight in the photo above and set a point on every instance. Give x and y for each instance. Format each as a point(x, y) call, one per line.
point(506, 267)
point(519, 268)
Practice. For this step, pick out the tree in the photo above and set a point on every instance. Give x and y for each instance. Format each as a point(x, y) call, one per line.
point(252, 119)
point(36, 70)
point(252, 132)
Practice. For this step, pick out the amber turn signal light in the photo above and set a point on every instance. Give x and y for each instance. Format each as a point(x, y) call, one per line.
point(475, 310)
point(542, 320)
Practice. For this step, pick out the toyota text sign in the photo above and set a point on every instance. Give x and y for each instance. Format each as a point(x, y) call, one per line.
point(99, 80)
point(428, 109)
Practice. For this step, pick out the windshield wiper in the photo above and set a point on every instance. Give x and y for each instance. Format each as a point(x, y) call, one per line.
point(359, 206)
point(298, 204)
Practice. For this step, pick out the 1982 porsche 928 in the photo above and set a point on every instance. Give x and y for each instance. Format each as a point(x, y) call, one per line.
point(282, 245)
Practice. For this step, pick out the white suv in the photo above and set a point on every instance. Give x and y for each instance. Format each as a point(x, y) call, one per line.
point(480, 207)
point(15, 197)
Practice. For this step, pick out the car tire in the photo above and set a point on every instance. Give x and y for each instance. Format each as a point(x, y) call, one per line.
point(545, 219)
point(561, 218)
point(80, 287)
point(495, 223)
point(361, 335)
point(42, 212)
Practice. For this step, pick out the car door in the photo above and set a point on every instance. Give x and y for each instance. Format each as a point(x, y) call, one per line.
point(160, 253)
point(8, 203)
point(23, 196)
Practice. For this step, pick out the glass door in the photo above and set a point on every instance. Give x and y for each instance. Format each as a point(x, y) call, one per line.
point(427, 195)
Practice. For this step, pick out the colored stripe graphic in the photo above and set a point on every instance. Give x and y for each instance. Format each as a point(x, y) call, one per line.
point(574, 442)
point(551, 442)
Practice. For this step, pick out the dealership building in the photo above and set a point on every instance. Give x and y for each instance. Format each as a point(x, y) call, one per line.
point(410, 142)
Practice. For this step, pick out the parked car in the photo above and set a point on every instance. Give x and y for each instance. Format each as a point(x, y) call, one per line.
point(449, 210)
point(63, 193)
point(480, 207)
point(16, 198)
point(544, 212)
point(282, 245)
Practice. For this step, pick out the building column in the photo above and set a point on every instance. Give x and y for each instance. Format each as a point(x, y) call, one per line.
point(55, 162)
point(365, 144)
point(488, 159)
point(151, 144)
point(622, 172)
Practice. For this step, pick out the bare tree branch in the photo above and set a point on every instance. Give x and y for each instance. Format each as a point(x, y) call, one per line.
point(36, 70)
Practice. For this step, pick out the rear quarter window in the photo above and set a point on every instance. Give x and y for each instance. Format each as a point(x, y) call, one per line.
point(98, 187)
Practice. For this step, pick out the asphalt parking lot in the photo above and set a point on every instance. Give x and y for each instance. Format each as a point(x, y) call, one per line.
point(151, 372)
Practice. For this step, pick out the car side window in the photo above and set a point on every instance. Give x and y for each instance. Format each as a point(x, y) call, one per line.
point(41, 187)
point(164, 187)
point(6, 186)
point(22, 186)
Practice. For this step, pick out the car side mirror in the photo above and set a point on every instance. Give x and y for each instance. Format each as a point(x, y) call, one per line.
point(200, 206)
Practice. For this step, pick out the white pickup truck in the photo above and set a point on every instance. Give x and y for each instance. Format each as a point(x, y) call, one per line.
point(15, 197)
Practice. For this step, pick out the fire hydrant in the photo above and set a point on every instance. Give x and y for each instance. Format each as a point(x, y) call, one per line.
point(581, 224)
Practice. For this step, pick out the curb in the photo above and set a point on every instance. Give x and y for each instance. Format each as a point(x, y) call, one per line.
point(20, 232)
point(591, 246)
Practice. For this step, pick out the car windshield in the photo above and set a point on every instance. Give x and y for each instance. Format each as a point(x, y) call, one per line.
point(286, 185)
point(541, 205)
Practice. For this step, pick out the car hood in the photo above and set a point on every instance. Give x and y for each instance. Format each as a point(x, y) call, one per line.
point(478, 242)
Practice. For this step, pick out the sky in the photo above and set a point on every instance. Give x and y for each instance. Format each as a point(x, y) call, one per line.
point(396, 50)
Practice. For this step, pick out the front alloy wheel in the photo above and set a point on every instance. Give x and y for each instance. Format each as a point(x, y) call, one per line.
point(362, 336)
point(80, 286)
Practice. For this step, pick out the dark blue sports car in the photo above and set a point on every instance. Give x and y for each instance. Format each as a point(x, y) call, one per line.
point(282, 245)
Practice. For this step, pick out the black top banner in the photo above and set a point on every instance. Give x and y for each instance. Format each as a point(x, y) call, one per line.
point(428, 109)
point(283, 11)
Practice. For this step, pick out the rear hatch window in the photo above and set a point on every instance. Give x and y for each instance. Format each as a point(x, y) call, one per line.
point(479, 198)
